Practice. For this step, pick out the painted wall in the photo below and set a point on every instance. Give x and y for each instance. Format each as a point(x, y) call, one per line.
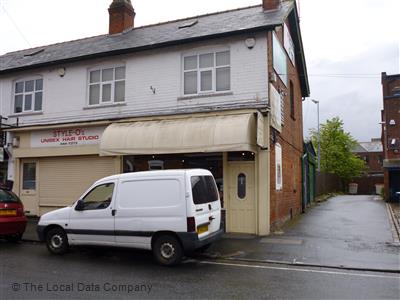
point(65, 98)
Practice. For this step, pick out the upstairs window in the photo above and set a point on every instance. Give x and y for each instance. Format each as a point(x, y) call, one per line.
point(107, 86)
point(28, 95)
point(207, 73)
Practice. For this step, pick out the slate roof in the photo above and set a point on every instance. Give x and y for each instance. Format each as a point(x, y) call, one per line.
point(373, 146)
point(149, 36)
point(244, 20)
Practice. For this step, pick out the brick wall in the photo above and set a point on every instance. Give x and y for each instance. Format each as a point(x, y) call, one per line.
point(374, 161)
point(391, 111)
point(287, 203)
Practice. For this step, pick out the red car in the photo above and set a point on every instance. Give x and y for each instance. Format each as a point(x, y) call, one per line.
point(12, 217)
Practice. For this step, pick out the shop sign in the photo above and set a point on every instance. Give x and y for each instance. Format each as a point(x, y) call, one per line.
point(62, 137)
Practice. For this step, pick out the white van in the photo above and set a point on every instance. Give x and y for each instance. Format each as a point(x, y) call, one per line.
point(170, 212)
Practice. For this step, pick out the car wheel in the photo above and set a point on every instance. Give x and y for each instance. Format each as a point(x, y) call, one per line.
point(167, 250)
point(14, 238)
point(57, 241)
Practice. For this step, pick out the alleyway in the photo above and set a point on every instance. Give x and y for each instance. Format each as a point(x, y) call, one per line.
point(345, 231)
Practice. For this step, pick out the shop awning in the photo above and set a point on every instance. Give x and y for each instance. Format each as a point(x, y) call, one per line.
point(188, 135)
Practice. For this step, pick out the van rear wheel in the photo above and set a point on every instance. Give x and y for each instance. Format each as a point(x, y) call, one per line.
point(57, 241)
point(167, 250)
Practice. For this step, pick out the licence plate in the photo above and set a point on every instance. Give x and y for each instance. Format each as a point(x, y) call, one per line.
point(8, 212)
point(201, 229)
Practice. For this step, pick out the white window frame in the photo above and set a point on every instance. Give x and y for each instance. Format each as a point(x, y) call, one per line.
point(32, 93)
point(278, 167)
point(199, 70)
point(101, 83)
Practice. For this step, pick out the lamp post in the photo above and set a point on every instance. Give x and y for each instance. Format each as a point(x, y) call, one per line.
point(319, 136)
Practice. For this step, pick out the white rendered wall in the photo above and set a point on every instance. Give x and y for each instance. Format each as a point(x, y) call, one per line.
point(65, 98)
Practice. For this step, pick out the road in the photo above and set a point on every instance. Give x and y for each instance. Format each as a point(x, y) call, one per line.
point(28, 271)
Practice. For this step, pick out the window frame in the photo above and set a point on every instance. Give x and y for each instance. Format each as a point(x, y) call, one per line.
point(199, 70)
point(278, 167)
point(101, 83)
point(292, 100)
point(100, 202)
point(24, 179)
point(32, 110)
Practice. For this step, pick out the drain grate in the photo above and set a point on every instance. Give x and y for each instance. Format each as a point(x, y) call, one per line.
point(281, 241)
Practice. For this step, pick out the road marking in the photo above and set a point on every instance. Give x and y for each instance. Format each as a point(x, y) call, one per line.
point(296, 270)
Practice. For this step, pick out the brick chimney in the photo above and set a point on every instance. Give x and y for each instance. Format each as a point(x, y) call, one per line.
point(271, 4)
point(122, 16)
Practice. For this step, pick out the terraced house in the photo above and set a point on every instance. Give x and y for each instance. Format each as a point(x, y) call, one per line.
point(221, 91)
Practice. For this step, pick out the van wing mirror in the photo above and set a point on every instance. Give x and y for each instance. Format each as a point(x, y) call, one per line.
point(79, 205)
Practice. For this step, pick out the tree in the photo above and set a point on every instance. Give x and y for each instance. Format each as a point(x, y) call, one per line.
point(336, 151)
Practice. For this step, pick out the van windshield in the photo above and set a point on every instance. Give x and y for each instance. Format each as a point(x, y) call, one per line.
point(204, 189)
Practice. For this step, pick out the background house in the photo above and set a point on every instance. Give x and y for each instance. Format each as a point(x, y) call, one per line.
point(391, 134)
point(372, 180)
point(220, 91)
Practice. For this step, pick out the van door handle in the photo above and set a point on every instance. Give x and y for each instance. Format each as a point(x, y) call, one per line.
point(113, 212)
point(211, 218)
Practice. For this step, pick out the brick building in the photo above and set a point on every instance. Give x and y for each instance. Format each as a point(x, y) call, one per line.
point(372, 153)
point(221, 91)
point(391, 134)
point(371, 181)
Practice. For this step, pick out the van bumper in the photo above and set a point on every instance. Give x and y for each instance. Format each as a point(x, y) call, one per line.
point(190, 240)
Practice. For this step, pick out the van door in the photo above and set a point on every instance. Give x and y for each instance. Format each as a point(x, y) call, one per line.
point(93, 223)
point(207, 205)
point(148, 205)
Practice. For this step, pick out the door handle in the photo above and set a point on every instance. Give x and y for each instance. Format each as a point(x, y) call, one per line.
point(113, 212)
point(211, 218)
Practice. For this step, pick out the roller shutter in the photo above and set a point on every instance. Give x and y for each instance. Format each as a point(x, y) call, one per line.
point(62, 180)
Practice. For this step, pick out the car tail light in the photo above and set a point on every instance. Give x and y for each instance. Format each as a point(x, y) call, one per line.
point(191, 224)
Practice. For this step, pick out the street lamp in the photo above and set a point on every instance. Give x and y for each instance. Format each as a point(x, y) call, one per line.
point(319, 137)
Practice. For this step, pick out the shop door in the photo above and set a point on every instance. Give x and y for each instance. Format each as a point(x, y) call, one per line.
point(29, 188)
point(241, 209)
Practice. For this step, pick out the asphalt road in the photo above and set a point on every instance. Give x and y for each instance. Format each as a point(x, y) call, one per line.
point(28, 271)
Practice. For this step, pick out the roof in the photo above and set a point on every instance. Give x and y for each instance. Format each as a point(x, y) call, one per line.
point(150, 36)
point(220, 24)
point(373, 146)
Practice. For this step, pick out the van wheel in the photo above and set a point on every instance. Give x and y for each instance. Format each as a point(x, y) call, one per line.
point(167, 250)
point(57, 241)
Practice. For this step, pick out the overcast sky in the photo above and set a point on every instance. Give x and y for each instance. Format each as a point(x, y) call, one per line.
point(348, 43)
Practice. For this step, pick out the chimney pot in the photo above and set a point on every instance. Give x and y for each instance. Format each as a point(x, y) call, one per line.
point(271, 4)
point(122, 16)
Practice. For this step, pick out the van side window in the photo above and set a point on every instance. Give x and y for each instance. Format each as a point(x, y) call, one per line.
point(203, 189)
point(99, 198)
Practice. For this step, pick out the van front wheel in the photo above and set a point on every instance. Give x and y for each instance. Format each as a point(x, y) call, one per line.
point(57, 241)
point(167, 250)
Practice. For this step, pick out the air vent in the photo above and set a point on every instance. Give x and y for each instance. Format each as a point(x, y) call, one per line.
point(188, 24)
point(34, 52)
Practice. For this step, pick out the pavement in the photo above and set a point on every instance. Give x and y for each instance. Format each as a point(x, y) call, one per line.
point(345, 232)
